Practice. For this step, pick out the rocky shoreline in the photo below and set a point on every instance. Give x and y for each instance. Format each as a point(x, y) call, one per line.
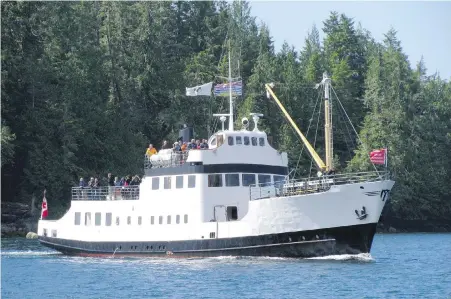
point(18, 219)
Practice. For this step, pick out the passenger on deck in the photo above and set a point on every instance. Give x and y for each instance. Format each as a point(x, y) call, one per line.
point(204, 144)
point(150, 151)
point(122, 181)
point(128, 180)
point(135, 181)
point(192, 144)
point(82, 183)
point(197, 144)
point(96, 183)
point(176, 147)
point(96, 186)
point(91, 182)
point(165, 145)
point(110, 179)
point(184, 146)
point(117, 182)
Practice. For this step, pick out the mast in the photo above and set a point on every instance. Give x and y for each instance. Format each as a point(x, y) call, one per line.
point(230, 95)
point(328, 123)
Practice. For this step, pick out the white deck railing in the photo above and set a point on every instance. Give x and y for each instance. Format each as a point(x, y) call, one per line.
point(106, 193)
point(312, 185)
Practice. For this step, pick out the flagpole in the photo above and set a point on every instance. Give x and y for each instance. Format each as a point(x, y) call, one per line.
point(386, 158)
point(230, 95)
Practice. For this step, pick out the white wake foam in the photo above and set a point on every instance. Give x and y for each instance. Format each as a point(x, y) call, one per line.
point(361, 257)
point(28, 252)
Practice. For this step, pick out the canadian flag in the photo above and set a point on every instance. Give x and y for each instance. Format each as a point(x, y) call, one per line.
point(379, 156)
point(44, 208)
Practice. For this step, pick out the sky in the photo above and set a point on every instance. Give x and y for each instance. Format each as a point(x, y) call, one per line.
point(424, 28)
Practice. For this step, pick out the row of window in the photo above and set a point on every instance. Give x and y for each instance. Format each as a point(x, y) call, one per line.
point(109, 219)
point(167, 182)
point(233, 179)
point(245, 140)
point(219, 180)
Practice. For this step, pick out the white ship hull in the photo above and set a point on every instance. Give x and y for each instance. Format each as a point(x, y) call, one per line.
point(323, 223)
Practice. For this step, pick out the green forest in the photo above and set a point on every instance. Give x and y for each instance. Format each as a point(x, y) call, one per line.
point(86, 86)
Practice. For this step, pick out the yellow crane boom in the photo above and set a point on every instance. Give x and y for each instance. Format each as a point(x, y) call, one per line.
point(319, 162)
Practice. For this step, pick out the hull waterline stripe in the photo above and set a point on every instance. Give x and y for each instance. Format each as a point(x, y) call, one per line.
point(198, 250)
point(259, 246)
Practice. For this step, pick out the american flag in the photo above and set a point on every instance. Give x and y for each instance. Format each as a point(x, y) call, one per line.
point(222, 90)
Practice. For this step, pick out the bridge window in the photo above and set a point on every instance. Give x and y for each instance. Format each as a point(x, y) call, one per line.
point(232, 179)
point(108, 219)
point(232, 213)
point(279, 180)
point(167, 182)
point(185, 218)
point(179, 181)
point(264, 180)
point(87, 218)
point(191, 181)
point(177, 219)
point(169, 219)
point(152, 220)
point(155, 183)
point(238, 140)
point(254, 141)
point(220, 140)
point(215, 180)
point(248, 179)
point(98, 218)
point(160, 220)
point(261, 140)
point(140, 220)
point(117, 220)
point(77, 218)
point(213, 142)
point(129, 220)
point(246, 140)
point(230, 140)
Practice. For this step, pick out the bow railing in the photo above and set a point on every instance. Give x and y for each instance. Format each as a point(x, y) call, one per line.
point(312, 185)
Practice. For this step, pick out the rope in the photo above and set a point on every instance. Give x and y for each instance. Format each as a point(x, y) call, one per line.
point(308, 129)
point(364, 147)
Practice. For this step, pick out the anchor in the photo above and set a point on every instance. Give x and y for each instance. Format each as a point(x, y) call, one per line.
point(362, 214)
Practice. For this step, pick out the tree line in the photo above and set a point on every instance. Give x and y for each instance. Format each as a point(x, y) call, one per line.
point(86, 86)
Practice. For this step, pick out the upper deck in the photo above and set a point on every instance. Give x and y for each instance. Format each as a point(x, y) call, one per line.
point(231, 149)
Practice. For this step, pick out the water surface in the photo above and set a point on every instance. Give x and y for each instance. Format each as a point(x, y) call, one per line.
point(400, 266)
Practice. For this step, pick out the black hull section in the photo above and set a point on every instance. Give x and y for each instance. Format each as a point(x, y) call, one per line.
point(340, 240)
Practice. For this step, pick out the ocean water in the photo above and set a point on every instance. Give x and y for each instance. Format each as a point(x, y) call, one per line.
point(399, 266)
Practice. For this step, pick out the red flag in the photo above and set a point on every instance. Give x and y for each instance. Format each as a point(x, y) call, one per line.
point(378, 156)
point(44, 209)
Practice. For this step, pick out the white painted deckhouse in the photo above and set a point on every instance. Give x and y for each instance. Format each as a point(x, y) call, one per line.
point(233, 199)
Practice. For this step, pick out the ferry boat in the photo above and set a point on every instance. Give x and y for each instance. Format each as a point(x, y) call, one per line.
point(233, 199)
